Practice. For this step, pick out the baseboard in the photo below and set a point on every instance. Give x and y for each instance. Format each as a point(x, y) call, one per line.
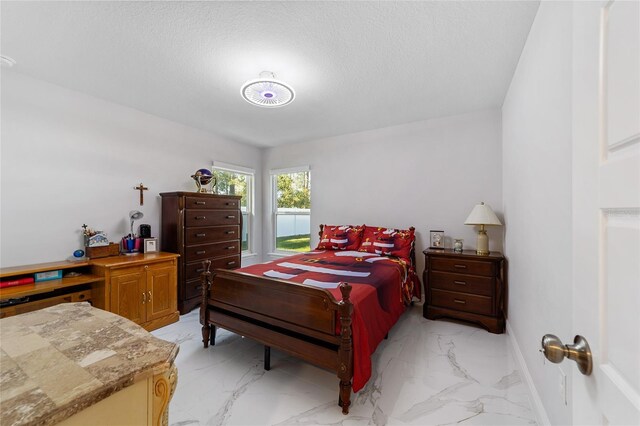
point(538, 408)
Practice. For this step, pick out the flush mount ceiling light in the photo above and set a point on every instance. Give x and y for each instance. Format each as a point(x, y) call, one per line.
point(266, 91)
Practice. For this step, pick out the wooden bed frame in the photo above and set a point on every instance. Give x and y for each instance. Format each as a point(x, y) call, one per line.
point(295, 318)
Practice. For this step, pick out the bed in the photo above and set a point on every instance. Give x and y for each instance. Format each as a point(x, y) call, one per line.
point(330, 307)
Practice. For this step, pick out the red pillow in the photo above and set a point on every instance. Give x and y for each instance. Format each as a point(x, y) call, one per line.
point(388, 241)
point(340, 237)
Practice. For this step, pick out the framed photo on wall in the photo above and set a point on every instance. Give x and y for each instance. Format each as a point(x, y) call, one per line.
point(436, 239)
point(150, 245)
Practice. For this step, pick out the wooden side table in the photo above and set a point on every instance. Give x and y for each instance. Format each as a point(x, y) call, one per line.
point(465, 286)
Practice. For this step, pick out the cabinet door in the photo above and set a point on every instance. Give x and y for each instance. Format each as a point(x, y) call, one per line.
point(161, 291)
point(128, 295)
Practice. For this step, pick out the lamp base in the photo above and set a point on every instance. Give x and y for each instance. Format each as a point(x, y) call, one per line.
point(482, 247)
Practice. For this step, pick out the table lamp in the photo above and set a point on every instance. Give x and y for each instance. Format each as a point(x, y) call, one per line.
point(482, 215)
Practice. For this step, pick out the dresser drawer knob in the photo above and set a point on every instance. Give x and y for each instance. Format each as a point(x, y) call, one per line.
point(202, 234)
point(230, 232)
point(201, 203)
point(231, 204)
point(462, 302)
point(231, 247)
point(200, 270)
point(460, 266)
point(231, 217)
point(200, 217)
point(233, 262)
point(201, 252)
point(460, 282)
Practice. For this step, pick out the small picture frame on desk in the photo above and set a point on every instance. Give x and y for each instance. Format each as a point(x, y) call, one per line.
point(436, 239)
point(150, 245)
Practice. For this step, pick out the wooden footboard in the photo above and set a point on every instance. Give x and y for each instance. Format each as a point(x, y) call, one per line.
point(295, 318)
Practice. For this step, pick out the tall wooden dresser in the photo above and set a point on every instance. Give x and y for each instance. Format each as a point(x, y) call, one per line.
point(198, 227)
point(465, 286)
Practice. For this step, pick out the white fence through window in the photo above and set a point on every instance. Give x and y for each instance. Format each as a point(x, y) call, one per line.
point(291, 221)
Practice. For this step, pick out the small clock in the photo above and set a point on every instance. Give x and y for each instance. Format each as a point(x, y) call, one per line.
point(437, 239)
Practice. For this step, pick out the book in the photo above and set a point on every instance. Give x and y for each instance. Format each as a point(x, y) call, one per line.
point(17, 281)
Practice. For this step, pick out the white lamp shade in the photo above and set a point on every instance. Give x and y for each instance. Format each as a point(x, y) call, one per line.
point(482, 215)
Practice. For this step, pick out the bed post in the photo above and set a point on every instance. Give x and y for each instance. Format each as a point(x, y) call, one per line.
point(345, 352)
point(321, 229)
point(207, 279)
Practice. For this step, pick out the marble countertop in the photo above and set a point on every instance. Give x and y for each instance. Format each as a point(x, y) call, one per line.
point(60, 360)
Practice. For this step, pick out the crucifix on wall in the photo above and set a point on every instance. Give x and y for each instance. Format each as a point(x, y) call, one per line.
point(141, 188)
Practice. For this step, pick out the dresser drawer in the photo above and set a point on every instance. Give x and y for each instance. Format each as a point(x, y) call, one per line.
point(462, 283)
point(463, 266)
point(211, 217)
point(194, 269)
point(205, 251)
point(211, 203)
point(462, 301)
point(208, 234)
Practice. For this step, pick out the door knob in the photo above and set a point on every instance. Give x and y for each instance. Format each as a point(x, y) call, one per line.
point(580, 352)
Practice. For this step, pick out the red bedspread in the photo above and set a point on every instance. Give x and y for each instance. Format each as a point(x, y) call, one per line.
point(380, 286)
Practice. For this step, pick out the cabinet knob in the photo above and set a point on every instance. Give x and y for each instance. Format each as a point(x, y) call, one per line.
point(201, 252)
point(202, 234)
point(146, 266)
point(201, 203)
point(460, 282)
point(231, 247)
point(462, 302)
point(200, 217)
point(230, 232)
point(231, 217)
point(149, 293)
point(233, 262)
point(460, 266)
point(144, 297)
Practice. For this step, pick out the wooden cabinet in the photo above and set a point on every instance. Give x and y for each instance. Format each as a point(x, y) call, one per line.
point(200, 227)
point(142, 288)
point(465, 286)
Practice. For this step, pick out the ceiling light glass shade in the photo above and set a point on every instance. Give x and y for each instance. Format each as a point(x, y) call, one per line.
point(267, 92)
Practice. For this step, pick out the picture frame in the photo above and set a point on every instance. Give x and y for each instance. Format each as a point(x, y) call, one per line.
point(150, 245)
point(436, 240)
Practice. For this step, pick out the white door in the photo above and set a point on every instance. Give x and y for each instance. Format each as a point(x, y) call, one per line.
point(606, 209)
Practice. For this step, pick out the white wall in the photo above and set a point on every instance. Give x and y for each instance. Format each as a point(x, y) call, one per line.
point(69, 158)
point(427, 174)
point(536, 118)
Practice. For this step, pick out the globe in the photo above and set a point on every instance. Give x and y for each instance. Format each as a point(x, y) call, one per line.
point(203, 177)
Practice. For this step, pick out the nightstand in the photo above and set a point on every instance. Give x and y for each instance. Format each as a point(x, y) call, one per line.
point(465, 286)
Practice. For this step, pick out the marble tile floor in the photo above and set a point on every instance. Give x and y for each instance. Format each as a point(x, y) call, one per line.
point(426, 373)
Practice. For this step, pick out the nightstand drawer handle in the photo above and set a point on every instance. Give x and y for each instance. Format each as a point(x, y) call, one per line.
point(460, 266)
point(202, 234)
point(231, 217)
point(231, 247)
point(201, 252)
point(462, 302)
point(233, 262)
point(200, 217)
point(201, 203)
point(460, 282)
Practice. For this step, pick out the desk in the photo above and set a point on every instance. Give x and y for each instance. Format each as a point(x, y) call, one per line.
point(77, 364)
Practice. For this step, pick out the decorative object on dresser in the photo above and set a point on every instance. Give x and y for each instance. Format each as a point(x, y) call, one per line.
point(482, 215)
point(465, 286)
point(200, 226)
point(437, 239)
point(202, 178)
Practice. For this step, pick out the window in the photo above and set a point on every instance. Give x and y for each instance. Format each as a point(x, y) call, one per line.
point(292, 209)
point(237, 180)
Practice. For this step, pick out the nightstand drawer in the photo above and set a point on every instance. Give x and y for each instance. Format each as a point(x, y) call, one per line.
point(463, 266)
point(462, 283)
point(462, 301)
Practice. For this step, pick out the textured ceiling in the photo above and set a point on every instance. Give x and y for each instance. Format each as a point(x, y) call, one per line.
point(354, 65)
